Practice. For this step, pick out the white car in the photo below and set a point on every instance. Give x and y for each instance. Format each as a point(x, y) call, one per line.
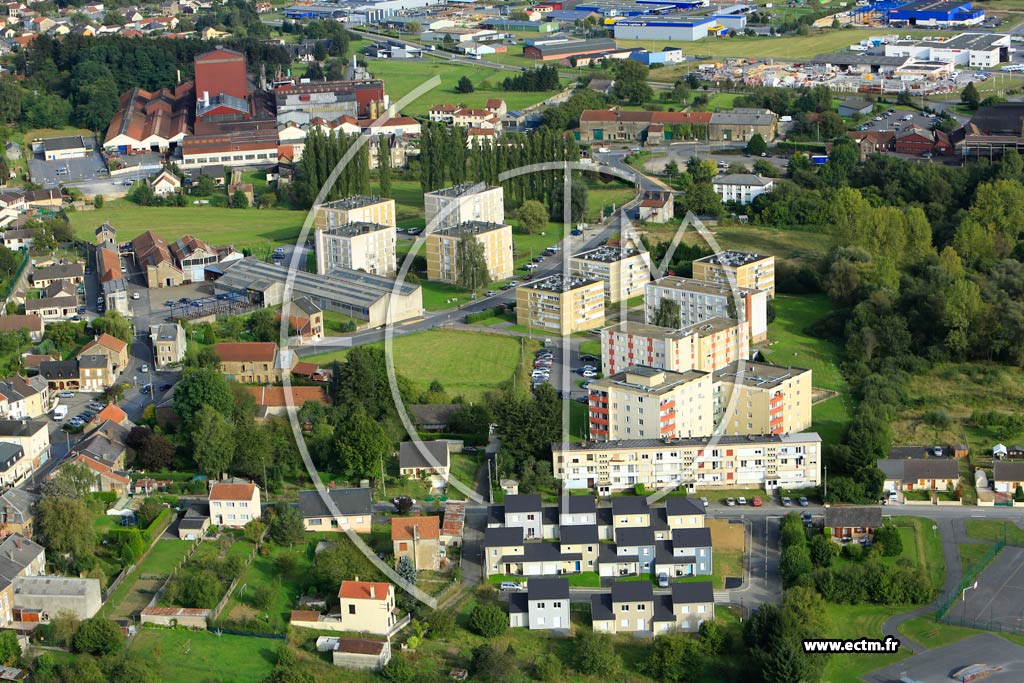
point(135, 295)
point(144, 368)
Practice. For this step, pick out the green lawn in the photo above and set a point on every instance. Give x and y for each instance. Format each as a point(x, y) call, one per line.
point(726, 563)
point(218, 226)
point(464, 467)
point(991, 530)
point(970, 553)
point(161, 561)
point(857, 621)
point(439, 296)
point(600, 200)
point(263, 571)
point(181, 656)
point(403, 77)
point(927, 547)
point(591, 346)
point(466, 363)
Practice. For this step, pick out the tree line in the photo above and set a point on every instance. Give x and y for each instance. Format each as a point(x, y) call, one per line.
point(534, 80)
point(322, 153)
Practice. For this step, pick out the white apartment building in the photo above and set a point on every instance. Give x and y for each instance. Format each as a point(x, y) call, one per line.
point(741, 187)
point(369, 247)
point(705, 346)
point(450, 206)
point(645, 403)
point(355, 209)
point(769, 462)
point(700, 301)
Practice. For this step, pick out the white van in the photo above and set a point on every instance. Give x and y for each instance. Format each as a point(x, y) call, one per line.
point(60, 412)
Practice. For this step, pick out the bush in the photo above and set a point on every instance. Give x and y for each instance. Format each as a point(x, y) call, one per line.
point(440, 623)
point(548, 668)
point(488, 620)
point(595, 654)
point(852, 551)
point(888, 538)
point(263, 597)
point(98, 637)
point(482, 315)
point(639, 489)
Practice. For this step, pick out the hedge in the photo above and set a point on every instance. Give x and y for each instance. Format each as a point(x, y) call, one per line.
point(482, 315)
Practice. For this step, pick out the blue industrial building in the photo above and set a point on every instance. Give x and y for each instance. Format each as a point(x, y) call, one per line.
point(669, 55)
point(936, 14)
point(669, 28)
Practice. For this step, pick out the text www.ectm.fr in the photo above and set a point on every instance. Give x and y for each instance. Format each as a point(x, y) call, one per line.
point(861, 645)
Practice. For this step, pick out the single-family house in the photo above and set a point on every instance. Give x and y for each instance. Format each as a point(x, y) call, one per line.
point(18, 557)
point(305, 320)
point(113, 348)
point(194, 523)
point(687, 553)
point(234, 505)
point(930, 474)
point(250, 362)
point(543, 606)
point(852, 523)
point(105, 476)
point(71, 273)
point(32, 324)
point(32, 435)
point(632, 607)
point(274, 401)
point(345, 509)
point(425, 459)
point(417, 538)
point(17, 512)
point(432, 417)
point(525, 511)
point(165, 183)
point(367, 607)
point(169, 344)
point(22, 397)
point(852, 107)
point(630, 512)
point(1007, 476)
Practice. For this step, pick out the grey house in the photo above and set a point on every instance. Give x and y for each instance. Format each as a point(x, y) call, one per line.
point(688, 553)
point(638, 543)
point(854, 106)
point(545, 605)
point(527, 512)
point(577, 510)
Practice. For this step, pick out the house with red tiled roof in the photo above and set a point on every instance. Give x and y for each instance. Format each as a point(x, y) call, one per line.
point(417, 538)
point(252, 362)
point(111, 347)
point(597, 125)
point(367, 607)
point(273, 401)
point(233, 505)
point(105, 477)
point(305, 320)
point(153, 256)
point(113, 413)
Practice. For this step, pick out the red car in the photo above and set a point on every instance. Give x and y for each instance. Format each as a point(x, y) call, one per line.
point(756, 502)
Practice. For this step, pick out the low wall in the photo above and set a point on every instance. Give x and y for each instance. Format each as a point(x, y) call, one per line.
point(171, 617)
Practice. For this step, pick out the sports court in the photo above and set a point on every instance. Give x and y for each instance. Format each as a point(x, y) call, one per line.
point(986, 657)
point(998, 601)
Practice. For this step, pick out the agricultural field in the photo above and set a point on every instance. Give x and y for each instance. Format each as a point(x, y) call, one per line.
point(403, 77)
point(468, 364)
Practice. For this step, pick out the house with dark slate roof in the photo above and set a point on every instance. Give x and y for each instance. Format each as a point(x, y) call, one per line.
point(347, 509)
point(852, 523)
point(543, 606)
point(633, 607)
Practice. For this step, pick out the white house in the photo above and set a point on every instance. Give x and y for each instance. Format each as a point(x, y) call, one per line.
point(165, 183)
point(741, 187)
point(234, 505)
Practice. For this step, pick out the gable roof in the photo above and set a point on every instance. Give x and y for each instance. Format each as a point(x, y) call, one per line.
point(222, 491)
point(632, 591)
point(426, 528)
point(433, 413)
point(678, 505)
point(410, 454)
point(930, 468)
point(630, 505)
point(106, 341)
point(523, 502)
point(347, 501)
point(364, 590)
point(548, 588)
point(239, 352)
point(700, 591)
point(111, 412)
point(853, 516)
point(1007, 471)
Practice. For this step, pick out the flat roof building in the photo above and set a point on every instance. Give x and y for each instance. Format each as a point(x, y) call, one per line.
point(623, 270)
point(764, 398)
point(700, 301)
point(450, 206)
point(706, 346)
point(561, 304)
point(647, 403)
point(442, 248)
point(369, 247)
point(742, 268)
point(355, 209)
point(773, 462)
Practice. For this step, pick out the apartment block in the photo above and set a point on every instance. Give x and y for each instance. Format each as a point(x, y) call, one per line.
point(746, 270)
point(769, 462)
point(369, 247)
point(355, 209)
point(451, 206)
point(443, 245)
point(623, 270)
point(759, 398)
point(561, 305)
point(645, 403)
point(700, 301)
point(705, 346)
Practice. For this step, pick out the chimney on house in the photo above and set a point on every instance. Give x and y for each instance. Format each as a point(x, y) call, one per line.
point(17, 540)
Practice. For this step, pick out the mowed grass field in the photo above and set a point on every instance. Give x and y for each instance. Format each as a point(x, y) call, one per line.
point(466, 363)
point(215, 225)
point(790, 245)
point(785, 47)
point(857, 621)
point(403, 76)
point(181, 656)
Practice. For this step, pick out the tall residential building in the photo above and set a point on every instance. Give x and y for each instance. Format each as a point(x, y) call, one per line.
point(644, 403)
point(369, 247)
point(454, 205)
point(768, 399)
point(700, 301)
point(560, 304)
point(773, 461)
point(355, 209)
point(442, 250)
point(624, 270)
point(748, 271)
point(705, 346)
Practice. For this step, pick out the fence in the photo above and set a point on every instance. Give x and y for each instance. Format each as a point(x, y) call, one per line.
point(970, 576)
point(14, 281)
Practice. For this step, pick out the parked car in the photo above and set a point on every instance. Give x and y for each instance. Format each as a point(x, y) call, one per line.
point(590, 374)
point(589, 358)
point(165, 387)
point(576, 232)
point(147, 388)
point(730, 502)
point(704, 501)
point(803, 502)
point(490, 293)
point(663, 580)
point(741, 500)
point(510, 586)
point(66, 394)
point(144, 368)
point(756, 502)
point(808, 522)
point(786, 502)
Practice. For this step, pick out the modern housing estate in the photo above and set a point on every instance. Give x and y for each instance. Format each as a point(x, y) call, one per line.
point(561, 304)
point(645, 403)
point(700, 301)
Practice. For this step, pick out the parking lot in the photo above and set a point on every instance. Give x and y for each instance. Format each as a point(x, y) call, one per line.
point(899, 121)
point(90, 168)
